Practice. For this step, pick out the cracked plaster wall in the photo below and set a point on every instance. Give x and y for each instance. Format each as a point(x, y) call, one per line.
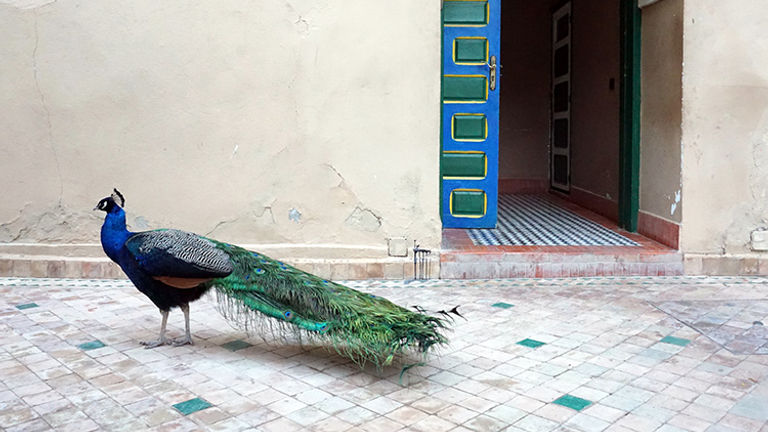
point(222, 118)
point(725, 126)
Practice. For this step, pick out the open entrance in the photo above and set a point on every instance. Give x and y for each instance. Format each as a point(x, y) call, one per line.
point(560, 101)
point(567, 179)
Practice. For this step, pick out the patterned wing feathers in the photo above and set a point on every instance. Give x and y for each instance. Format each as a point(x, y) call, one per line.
point(178, 254)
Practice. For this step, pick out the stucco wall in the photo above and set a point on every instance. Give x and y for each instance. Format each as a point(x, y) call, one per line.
point(224, 118)
point(725, 126)
point(661, 109)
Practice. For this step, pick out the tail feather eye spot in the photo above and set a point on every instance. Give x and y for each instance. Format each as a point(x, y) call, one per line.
point(259, 271)
point(288, 315)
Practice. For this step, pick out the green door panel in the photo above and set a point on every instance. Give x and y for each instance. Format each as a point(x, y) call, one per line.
point(465, 88)
point(469, 127)
point(465, 12)
point(470, 203)
point(464, 165)
point(470, 50)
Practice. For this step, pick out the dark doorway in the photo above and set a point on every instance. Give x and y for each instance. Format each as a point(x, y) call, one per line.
point(565, 107)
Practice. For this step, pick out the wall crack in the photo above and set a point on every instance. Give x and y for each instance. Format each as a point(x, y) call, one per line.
point(27, 4)
point(361, 218)
point(47, 111)
point(265, 210)
point(221, 224)
point(342, 182)
point(364, 219)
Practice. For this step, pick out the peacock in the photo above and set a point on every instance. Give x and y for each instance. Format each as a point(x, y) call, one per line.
point(174, 268)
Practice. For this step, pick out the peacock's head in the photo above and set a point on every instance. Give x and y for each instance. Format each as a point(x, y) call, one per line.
point(110, 202)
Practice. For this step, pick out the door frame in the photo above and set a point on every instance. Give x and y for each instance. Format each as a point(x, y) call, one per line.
point(629, 115)
point(563, 8)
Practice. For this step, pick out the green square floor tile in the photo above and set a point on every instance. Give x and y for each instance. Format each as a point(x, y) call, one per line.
point(676, 341)
point(502, 305)
point(91, 345)
point(26, 306)
point(530, 343)
point(192, 405)
point(572, 402)
point(236, 345)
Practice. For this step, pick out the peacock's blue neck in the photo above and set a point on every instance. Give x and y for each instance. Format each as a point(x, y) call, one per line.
point(114, 233)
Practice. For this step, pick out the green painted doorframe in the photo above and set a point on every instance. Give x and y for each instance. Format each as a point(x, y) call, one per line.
point(629, 139)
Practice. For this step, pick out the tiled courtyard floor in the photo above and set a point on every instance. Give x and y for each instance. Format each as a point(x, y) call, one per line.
point(533, 355)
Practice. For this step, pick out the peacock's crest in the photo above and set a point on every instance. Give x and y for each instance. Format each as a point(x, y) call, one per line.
point(118, 198)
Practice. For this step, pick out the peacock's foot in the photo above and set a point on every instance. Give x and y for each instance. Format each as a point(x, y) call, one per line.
point(155, 343)
point(184, 340)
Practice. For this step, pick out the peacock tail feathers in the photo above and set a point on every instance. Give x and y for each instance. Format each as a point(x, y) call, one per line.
point(361, 326)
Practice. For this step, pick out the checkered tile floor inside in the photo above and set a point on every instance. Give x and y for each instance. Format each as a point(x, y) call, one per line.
point(532, 220)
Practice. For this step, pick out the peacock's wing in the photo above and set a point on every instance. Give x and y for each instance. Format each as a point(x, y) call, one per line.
point(362, 326)
point(178, 258)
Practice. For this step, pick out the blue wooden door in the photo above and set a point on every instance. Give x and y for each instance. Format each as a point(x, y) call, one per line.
point(470, 123)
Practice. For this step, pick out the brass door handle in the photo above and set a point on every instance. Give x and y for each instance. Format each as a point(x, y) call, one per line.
point(492, 74)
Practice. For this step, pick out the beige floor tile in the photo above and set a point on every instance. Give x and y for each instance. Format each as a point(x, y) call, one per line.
point(602, 343)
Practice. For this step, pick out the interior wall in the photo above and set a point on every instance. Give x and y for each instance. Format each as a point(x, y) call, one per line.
point(594, 105)
point(526, 97)
point(525, 90)
point(661, 111)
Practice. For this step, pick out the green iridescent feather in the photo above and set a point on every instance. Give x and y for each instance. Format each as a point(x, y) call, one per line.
point(363, 327)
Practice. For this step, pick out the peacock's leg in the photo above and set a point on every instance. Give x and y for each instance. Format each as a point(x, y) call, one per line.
point(187, 338)
point(161, 340)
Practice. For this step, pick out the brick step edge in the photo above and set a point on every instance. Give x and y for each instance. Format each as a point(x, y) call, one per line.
point(503, 270)
point(102, 268)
